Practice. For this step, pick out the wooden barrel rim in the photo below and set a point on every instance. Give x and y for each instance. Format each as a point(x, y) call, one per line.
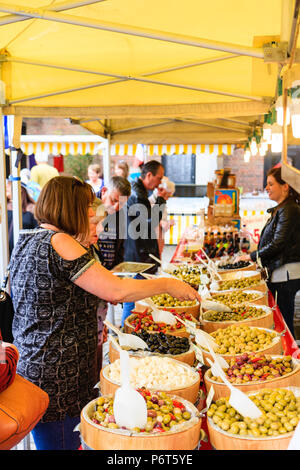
point(243, 274)
point(251, 438)
point(296, 368)
point(125, 432)
point(186, 366)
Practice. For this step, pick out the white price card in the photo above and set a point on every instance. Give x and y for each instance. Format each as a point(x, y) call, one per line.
point(198, 352)
point(208, 400)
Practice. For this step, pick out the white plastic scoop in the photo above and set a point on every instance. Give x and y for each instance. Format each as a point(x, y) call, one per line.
point(160, 316)
point(125, 339)
point(216, 306)
point(202, 338)
point(168, 266)
point(210, 268)
point(238, 400)
point(130, 409)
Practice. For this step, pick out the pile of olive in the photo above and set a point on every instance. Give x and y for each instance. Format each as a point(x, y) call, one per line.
point(166, 300)
point(235, 297)
point(238, 283)
point(256, 368)
point(237, 314)
point(164, 344)
point(240, 339)
point(237, 265)
point(163, 412)
point(190, 274)
point(280, 414)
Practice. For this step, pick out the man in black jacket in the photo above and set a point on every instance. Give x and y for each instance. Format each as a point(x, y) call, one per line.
point(142, 217)
point(110, 204)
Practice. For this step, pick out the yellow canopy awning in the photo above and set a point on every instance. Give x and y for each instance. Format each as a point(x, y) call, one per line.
point(144, 61)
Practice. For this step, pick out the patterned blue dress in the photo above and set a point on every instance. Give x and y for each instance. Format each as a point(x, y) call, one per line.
point(55, 323)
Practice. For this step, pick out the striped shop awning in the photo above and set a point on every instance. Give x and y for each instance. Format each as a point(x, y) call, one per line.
point(64, 148)
point(81, 145)
point(170, 149)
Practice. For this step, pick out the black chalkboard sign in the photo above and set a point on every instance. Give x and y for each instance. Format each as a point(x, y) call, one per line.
point(180, 168)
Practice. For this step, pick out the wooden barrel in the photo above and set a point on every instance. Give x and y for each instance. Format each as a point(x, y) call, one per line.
point(222, 440)
point(97, 437)
point(187, 357)
point(190, 392)
point(193, 310)
point(128, 328)
point(275, 348)
point(221, 390)
point(265, 321)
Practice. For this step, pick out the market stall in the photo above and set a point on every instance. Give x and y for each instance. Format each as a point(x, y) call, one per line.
point(237, 60)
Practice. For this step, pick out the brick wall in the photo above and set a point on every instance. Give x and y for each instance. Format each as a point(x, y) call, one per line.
point(53, 126)
point(249, 175)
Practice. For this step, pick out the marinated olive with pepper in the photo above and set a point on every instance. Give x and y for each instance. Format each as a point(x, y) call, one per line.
point(256, 368)
point(144, 320)
point(163, 412)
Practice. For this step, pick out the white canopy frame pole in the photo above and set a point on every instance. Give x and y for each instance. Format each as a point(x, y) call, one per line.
point(16, 182)
point(64, 6)
point(4, 246)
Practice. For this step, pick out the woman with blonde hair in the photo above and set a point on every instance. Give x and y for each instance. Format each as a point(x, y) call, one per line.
point(57, 285)
point(95, 178)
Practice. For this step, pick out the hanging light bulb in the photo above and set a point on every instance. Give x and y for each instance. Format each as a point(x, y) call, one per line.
point(247, 155)
point(253, 147)
point(262, 149)
point(279, 110)
point(295, 117)
point(277, 138)
point(267, 132)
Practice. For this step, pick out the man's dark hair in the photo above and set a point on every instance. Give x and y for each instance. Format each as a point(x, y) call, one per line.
point(152, 166)
point(121, 184)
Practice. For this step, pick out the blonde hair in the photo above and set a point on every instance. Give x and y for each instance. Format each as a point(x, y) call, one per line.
point(64, 202)
point(96, 168)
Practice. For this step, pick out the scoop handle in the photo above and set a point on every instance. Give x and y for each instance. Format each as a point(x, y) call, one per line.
point(115, 343)
point(112, 327)
point(156, 259)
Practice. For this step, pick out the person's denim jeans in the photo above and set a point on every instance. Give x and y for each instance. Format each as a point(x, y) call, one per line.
point(129, 306)
point(57, 435)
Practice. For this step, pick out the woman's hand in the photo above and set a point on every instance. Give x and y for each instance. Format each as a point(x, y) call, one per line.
point(181, 290)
